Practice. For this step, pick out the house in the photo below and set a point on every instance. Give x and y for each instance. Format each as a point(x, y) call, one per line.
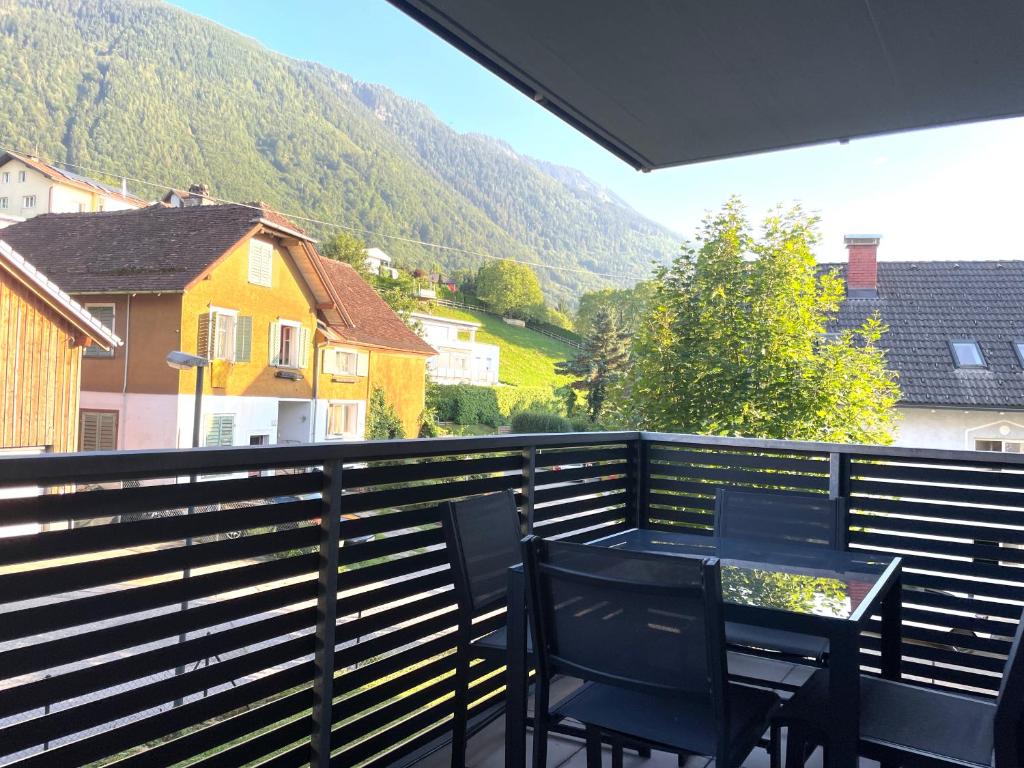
point(197, 194)
point(956, 338)
point(374, 348)
point(379, 263)
point(236, 284)
point(43, 333)
point(460, 358)
point(29, 187)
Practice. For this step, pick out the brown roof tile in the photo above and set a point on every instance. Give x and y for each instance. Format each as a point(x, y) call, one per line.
point(374, 323)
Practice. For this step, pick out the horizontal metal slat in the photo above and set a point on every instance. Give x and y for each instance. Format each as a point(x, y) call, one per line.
point(704, 480)
point(966, 530)
point(562, 509)
point(573, 490)
point(369, 599)
point(407, 567)
point(939, 510)
point(421, 494)
point(547, 457)
point(353, 629)
point(1004, 498)
point(679, 516)
point(429, 470)
point(938, 475)
point(660, 457)
point(392, 545)
point(578, 523)
point(935, 547)
point(602, 471)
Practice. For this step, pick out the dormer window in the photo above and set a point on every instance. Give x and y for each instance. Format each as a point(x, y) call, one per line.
point(1018, 347)
point(967, 353)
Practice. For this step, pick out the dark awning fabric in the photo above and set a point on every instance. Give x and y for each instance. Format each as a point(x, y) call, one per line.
point(669, 82)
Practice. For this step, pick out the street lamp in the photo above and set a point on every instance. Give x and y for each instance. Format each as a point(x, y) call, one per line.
point(183, 361)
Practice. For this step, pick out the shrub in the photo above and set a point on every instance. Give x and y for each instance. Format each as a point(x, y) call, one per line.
point(540, 421)
point(469, 404)
point(382, 423)
point(514, 399)
point(583, 424)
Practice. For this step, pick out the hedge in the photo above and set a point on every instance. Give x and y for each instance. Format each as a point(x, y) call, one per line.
point(470, 404)
point(526, 422)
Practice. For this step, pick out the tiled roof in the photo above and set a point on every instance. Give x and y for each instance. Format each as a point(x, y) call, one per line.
point(72, 179)
point(928, 303)
point(373, 322)
point(149, 249)
point(13, 262)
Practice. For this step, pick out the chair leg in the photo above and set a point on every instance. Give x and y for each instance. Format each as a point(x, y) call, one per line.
point(775, 746)
point(796, 747)
point(540, 724)
point(593, 747)
point(616, 754)
point(460, 705)
point(644, 752)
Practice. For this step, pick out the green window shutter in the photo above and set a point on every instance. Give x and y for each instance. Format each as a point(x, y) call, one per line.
point(303, 348)
point(243, 339)
point(203, 337)
point(275, 343)
point(220, 429)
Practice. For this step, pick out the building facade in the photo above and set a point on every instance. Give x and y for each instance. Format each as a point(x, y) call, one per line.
point(460, 358)
point(956, 339)
point(234, 284)
point(30, 187)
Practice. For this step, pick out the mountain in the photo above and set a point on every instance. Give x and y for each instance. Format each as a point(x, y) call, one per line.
point(151, 92)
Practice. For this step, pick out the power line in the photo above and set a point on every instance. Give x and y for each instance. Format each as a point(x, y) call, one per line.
point(335, 225)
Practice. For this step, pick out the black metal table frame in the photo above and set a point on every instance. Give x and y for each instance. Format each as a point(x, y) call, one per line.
point(884, 599)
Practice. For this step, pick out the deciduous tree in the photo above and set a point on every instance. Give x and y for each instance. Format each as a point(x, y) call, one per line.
point(511, 289)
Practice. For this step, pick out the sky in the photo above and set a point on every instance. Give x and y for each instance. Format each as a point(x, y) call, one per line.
point(946, 193)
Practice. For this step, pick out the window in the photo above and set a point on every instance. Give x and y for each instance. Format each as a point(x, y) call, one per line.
point(220, 429)
point(967, 353)
point(261, 262)
point(28, 201)
point(105, 314)
point(1002, 446)
point(344, 420)
point(1018, 347)
point(225, 335)
point(5, 177)
point(22, 176)
point(97, 431)
point(4, 202)
point(341, 362)
point(289, 345)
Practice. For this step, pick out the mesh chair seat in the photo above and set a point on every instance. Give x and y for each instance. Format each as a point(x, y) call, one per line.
point(778, 640)
point(497, 642)
point(677, 724)
point(906, 718)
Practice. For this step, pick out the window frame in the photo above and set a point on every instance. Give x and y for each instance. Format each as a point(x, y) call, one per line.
point(231, 338)
point(360, 412)
point(5, 177)
point(26, 205)
point(956, 357)
point(95, 350)
point(1018, 347)
point(1002, 444)
point(254, 276)
point(22, 177)
point(336, 352)
point(5, 203)
point(296, 344)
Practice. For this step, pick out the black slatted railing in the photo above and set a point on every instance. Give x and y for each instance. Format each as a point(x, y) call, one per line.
point(294, 604)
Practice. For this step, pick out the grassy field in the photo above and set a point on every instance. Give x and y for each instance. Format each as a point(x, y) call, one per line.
point(527, 358)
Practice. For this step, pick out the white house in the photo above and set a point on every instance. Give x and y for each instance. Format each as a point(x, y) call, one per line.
point(956, 338)
point(379, 263)
point(461, 359)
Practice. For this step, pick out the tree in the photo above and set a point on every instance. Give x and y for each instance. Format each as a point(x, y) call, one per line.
point(349, 248)
point(628, 304)
point(601, 361)
point(382, 423)
point(734, 342)
point(510, 288)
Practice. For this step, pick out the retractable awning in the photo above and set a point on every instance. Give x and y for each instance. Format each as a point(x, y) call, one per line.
point(669, 82)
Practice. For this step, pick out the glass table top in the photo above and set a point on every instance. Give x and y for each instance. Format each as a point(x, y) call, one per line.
point(799, 579)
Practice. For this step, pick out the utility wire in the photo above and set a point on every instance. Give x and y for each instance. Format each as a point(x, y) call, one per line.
point(335, 225)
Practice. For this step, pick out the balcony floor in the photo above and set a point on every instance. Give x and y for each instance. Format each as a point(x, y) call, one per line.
point(487, 747)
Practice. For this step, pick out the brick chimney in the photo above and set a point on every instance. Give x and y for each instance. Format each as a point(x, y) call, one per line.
point(862, 270)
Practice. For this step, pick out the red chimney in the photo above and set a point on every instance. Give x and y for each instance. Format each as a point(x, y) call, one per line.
point(862, 270)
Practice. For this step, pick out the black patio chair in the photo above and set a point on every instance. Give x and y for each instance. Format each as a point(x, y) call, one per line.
point(645, 634)
point(787, 520)
point(909, 725)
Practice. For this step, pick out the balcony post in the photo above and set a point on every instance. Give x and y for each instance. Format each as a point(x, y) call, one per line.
point(638, 465)
point(529, 484)
point(838, 475)
point(326, 616)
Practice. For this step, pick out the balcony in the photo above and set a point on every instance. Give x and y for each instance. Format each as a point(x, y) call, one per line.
point(295, 601)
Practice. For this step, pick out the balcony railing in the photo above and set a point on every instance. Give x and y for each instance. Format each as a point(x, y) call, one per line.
point(295, 603)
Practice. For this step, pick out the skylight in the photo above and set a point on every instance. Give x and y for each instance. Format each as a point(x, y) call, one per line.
point(1018, 347)
point(967, 353)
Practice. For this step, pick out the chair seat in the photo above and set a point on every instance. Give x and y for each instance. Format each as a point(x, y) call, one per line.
point(497, 642)
point(779, 640)
point(904, 717)
point(677, 724)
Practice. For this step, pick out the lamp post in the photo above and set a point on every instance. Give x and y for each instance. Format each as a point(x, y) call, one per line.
point(182, 361)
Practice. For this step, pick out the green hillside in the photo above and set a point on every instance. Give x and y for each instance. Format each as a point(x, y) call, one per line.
point(160, 95)
point(527, 358)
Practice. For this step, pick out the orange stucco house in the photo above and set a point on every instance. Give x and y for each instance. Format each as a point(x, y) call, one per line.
point(243, 287)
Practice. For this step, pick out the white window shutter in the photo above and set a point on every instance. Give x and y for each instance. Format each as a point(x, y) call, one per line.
point(363, 364)
point(303, 348)
point(330, 360)
point(275, 343)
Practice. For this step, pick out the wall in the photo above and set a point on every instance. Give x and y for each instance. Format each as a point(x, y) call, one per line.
point(155, 321)
point(227, 286)
point(34, 184)
point(39, 372)
point(955, 429)
point(143, 420)
point(402, 376)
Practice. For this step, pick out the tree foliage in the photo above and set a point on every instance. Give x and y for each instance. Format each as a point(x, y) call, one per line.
point(382, 421)
point(599, 364)
point(734, 342)
point(511, 289)
point(349, 248)
point(627, 305)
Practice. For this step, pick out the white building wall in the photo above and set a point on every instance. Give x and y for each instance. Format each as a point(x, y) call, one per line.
point(956, 429)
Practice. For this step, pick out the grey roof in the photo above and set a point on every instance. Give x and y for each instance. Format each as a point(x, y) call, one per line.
point(666, 83)
point(926, 304)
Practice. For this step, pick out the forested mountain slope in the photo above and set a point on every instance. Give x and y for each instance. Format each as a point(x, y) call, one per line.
point(164, 96)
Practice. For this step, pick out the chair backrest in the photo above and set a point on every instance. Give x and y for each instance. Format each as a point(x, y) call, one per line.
point(1009, 721)
point(650, 623)
point(483, 537)
point(781, 517)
